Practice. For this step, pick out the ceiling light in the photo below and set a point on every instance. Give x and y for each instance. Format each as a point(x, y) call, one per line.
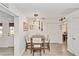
point(35, 15)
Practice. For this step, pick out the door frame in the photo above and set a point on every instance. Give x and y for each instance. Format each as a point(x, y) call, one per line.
point(16, 17)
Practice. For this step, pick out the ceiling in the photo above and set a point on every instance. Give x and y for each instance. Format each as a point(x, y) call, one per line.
point(47, 10)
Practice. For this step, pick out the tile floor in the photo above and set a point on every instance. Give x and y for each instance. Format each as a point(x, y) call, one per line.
point(55, 50)
point(6, 51)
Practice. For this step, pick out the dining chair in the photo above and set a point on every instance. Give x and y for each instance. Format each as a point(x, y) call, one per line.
point(47, 43)
point(28, 43)
point(36, 45)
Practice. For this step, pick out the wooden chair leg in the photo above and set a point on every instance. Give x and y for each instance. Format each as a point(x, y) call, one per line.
point(33, 53)
point(43, 50)
point(26, 48)
point(31, 50)
point(48, 47)
point(40, 52)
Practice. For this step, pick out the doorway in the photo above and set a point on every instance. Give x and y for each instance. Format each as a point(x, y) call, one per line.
point(64, 32)
point(6, 34)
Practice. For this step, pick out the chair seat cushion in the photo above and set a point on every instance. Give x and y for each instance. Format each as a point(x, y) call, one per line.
point(36, 46)
point(46, 41)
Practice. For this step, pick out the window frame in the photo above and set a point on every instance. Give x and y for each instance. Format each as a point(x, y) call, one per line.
point(11, 28)
point(1, 29)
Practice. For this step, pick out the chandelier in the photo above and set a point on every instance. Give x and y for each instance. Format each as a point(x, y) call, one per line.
point(37, 22)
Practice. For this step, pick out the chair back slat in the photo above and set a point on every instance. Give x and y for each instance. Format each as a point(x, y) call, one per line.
point(36, 40)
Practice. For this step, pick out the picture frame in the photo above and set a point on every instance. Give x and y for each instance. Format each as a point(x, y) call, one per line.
point(25, 26)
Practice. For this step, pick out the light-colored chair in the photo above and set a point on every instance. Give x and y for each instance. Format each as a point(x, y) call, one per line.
point(36, 45)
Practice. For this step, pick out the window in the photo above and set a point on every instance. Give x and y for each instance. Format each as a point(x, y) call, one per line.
point(11, 25)
point(1, 28)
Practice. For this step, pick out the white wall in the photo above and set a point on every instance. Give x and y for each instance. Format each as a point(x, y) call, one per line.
point(73, 32)
point(54, 31)
point(5, 40)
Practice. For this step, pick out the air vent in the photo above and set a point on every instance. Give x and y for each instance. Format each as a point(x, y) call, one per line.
point(5, 4)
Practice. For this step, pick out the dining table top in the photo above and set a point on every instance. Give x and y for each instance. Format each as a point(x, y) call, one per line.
point(37, 36)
